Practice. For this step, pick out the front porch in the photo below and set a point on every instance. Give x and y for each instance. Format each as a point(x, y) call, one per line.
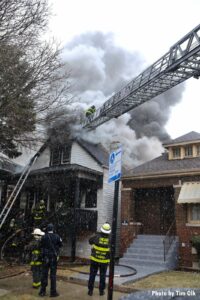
point(71, 195)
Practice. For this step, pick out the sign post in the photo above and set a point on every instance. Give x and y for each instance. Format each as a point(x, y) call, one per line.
point(114, 175)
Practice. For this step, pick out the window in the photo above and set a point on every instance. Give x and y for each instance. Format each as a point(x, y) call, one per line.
point(66, 151)
point(60, 155)
point(176, 152)
point(188, 151)
point(91, 198)
point(55, 156)
point(194, 213)
point(198, 150)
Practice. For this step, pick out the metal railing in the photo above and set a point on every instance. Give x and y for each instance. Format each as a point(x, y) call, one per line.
point(169, 238)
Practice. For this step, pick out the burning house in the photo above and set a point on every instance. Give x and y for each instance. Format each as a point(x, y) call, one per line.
point(162, 198)
point(7, 169)
point(72, 179)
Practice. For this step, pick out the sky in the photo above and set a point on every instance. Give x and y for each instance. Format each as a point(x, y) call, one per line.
point(149, 27)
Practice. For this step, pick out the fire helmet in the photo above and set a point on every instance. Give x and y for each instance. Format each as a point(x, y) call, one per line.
point(50, 227)
point(105, 228)
point(37, 231)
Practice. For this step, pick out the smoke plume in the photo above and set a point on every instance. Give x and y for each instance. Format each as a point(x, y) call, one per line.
point(99, 68)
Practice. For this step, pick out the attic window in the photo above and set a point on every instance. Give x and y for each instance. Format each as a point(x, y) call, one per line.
point(55, 156)
point(198, 150)
point(176, 152)
point(188, 151)
point(66, 151)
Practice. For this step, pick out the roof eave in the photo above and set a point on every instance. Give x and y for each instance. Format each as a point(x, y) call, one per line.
point(189, 172)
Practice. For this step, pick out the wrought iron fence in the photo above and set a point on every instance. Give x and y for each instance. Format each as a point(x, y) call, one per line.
point(169, 238)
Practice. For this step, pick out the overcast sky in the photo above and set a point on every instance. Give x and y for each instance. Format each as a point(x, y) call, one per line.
point(149, 27)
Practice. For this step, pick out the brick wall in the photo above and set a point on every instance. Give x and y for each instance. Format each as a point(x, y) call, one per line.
point(129, 228)
point(185, 233)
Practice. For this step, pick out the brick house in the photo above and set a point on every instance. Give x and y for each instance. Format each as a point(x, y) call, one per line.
point(72, 179)
point(162, 197)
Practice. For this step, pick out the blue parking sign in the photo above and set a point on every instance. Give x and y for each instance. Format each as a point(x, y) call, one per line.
point(115, 162)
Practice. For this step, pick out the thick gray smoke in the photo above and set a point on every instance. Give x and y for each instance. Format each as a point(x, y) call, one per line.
point(150, 118)
point(99, 68)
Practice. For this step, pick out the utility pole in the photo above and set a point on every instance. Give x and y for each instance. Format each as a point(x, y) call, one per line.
point(114, 175)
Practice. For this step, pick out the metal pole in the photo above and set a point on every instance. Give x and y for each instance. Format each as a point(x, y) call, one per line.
point(113, 241)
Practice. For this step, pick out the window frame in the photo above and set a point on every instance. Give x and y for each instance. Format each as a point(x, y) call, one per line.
point(69, 147)
point(198, 150)
point(52, 162)
point(189, 214)
point(91, 194)
point(174, 152)
point(187, 151)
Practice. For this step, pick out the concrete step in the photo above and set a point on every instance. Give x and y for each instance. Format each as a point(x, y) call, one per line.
point(148, 250)
point(145, 245)
point(158, 257)
point(143, 250)
point(142, 262)
point(150, 237)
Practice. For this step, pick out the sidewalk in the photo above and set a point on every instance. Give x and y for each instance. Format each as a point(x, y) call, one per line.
point(122, 275)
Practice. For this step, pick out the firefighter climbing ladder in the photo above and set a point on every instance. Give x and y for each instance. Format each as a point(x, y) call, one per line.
point(11, 200)
point(179, 64)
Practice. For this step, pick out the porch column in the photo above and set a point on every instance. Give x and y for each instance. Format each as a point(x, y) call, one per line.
point(74, 229)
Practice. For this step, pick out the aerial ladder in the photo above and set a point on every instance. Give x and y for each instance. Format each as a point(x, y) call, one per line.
point(180, 63)
point(13, 196)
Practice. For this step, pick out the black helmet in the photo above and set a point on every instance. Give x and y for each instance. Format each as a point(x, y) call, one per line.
point(50, 227)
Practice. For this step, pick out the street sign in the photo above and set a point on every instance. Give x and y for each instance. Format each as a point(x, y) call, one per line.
point(115, 162)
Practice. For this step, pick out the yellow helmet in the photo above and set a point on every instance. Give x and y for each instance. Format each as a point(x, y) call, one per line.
point(105, 228)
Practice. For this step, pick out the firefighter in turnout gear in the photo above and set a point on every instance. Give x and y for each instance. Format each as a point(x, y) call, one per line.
point(50, 243)
point(36, 257)
point(90, 111)
point(39, 213)
point(100, 257)
point(15, 247)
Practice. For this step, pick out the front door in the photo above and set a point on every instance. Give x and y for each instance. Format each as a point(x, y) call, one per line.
point(154, 208)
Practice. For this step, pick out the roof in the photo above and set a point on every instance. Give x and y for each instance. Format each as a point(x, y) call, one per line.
point(161, 165)
point(7, 165)
point(97, 151)
point(189, 137)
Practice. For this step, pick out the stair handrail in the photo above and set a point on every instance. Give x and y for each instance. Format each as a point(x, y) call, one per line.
point(169, 238)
